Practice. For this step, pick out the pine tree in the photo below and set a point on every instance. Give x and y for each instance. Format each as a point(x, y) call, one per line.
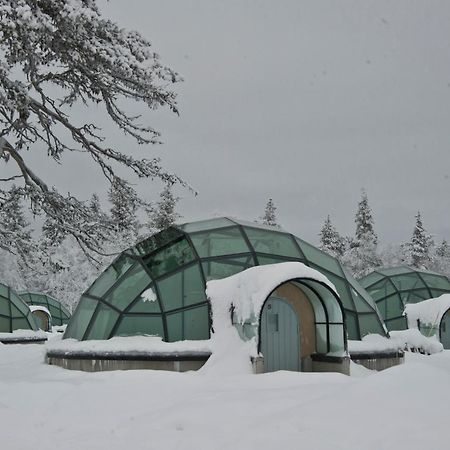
point(420, 245)
point(125, 204)
point(443, 250)
point(15, 232)
point(331, 241)
point(361, 257)
point(364, 222)
point(270, 217)
point(164, 215)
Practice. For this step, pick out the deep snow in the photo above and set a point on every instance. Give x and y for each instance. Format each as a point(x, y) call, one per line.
point(42, 406)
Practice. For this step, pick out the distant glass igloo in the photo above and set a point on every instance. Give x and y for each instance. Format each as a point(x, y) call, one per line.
point(158, 286)
point(14, 312)
point(60, 314)
point(395, 287)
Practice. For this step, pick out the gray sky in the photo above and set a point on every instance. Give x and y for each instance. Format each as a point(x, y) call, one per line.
point(303, 101)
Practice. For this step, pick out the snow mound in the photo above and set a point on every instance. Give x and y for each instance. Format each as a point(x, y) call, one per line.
point(414, 340)
point(248, 290)
point(26, 335)
point(39, 308)
point(411, 340)
point(428, 312)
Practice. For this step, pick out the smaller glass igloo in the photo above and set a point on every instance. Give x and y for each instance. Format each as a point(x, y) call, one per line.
point(14, 312)
point(395, 287)
point(60, 314)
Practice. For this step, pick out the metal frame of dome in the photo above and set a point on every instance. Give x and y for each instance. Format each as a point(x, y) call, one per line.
point(60, 314)
point(172, 267)
point(392, 288)
point(14, 312)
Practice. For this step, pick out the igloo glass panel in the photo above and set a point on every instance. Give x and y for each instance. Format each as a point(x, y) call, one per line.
point(156, 241)
point(320, 258)
point(110, 276)
point(189, 324)
point(342, 289)
point(351, 323)
point(140, 325)
point(319, 311)
point(103, 324)
point(407, 281)
point(171, 291)
point(381, 289)
point(329, 300)
point(371, 279)
point(193, 286)
point(19, 303)
point(21, 324)
point(321, 338)
point(147, 302)
point(227, 241)
point(369, 324)
point(336, 339)
point(4, 306)
point(196, 323)
point(203, 225)
point(437, 282)
point(223, 268)
point(5, 325)
point(81, 318)
point(129, 287)
point(170, 258)
point(394, 306)
point(396, 324)
point(272, 243)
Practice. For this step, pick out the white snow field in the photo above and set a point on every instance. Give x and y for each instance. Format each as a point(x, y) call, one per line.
point(41, 406)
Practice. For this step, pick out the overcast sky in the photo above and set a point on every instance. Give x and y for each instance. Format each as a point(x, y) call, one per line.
point(306, 102)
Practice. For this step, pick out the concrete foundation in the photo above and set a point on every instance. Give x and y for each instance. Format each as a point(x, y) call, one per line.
point(23, 340)
point(378, 361)
point(102, 362)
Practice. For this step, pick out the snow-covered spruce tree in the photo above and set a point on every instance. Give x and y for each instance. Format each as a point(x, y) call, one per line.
point(270, 216)
point(440, 261)
point(163, 214)
point(15, 234)
point(123, 214)
point(331, 241)
point(443, 250)
point(55, 55)
point(361, 257)
point(420, 245)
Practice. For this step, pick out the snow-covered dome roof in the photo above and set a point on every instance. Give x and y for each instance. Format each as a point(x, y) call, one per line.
point(395, 287)
point(159, 284)
point(59, 313)
point(14, 312)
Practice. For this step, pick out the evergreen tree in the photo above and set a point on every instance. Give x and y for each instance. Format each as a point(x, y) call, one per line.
point(124, 207)
point(164, 215)
point(15, 232)
point(270, 217)
point(364, 223)
point(331, 241)
point(443, 250)
point(420, 245)
point(361, 257)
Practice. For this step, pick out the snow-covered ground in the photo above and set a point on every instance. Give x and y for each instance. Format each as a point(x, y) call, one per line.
point(42, 406)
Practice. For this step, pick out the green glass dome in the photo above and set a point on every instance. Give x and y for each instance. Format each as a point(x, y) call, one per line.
point(14, 312)
point(60, 314)
point(394, 287)
point(158, 286)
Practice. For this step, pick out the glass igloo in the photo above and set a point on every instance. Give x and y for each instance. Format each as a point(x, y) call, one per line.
point(158, 286)
point(60, 314)
point(394, 287)
point(14, 312)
